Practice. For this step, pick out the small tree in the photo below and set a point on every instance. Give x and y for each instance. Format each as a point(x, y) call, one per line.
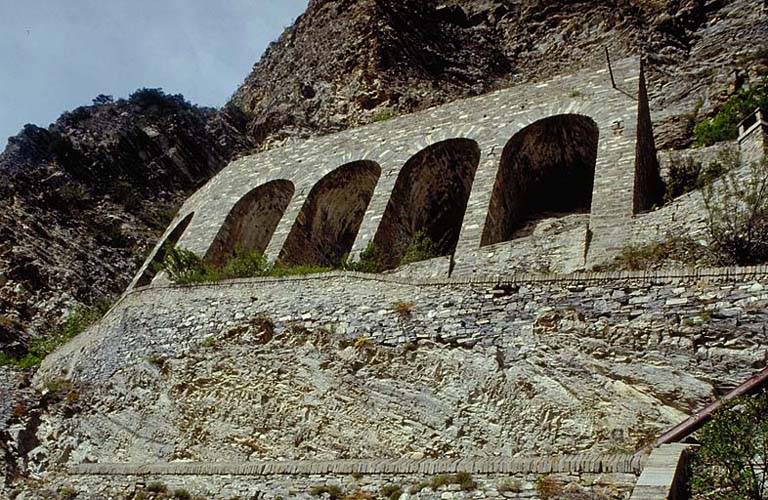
point(103, 99)
point(733, 459)
point(737, 216)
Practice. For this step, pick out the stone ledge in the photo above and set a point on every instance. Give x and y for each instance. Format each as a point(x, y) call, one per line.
point(590, 464)
point(733, 274)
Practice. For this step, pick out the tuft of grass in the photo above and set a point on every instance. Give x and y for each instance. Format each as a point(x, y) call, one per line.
point(333, 491)
point(383, 114)
point(157, 487)
point(403, 309)
point(463, 479)
point(391, 491)
point(548, 488)
point(67, 492)
point(182, 494)
point(410, 347)
point(509, 486)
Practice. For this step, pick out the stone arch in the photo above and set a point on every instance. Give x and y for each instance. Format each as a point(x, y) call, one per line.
point(150, 272)
point(250, 224)
point(430, 196)
point(326, 228)
point(547, 169)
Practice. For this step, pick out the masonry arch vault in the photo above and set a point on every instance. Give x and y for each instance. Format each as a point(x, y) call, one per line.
point(430, 197)
point(170, 241)
point(326, 228)
point(547, 170)
point(251, 222)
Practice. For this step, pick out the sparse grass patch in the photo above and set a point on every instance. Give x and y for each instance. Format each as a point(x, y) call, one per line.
point(463, 479)
point(509, 486)
point(383, 114)
point(391, 491)
point(410, 347)
point(653, 255)
point(182, 494)
point(157, 487)
point(67, 492)
point(333, 491)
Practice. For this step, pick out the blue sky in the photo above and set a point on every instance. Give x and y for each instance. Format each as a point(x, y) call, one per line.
point(56, 55)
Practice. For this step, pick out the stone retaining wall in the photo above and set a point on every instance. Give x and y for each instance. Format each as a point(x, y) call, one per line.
point(595, 477)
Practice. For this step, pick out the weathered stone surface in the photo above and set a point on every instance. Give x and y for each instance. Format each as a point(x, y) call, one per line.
point(552, 366)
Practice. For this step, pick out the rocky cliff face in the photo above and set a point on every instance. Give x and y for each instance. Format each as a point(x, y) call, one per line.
point(83, 201)
point(349, 62)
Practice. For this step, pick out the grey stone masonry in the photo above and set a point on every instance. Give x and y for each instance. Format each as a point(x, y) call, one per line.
point(490, 121)
point(663, 476)
point(753, 137)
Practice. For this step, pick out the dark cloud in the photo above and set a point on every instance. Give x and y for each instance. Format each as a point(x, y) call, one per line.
point(56, 55)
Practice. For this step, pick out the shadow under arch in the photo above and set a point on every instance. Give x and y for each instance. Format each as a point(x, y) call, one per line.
point(326, 228)
point(430, 197)
point(170, 241)
point(547, 169)
point(251, 222)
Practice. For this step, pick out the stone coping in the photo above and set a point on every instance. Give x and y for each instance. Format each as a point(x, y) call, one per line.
point(734, 274)
point(591, 464)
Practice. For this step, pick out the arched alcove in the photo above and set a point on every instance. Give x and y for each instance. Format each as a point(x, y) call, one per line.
point(250, 224)
point(430, 197)
point(173, 238)
point(327, 225)
point(547, 170)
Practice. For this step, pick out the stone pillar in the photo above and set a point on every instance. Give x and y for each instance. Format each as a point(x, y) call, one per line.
point(753, 138)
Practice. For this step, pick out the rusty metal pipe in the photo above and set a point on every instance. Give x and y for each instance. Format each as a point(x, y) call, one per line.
point(696, 421)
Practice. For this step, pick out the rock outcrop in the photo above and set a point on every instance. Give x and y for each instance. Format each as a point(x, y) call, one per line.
point(346, 63)
point(83, 201)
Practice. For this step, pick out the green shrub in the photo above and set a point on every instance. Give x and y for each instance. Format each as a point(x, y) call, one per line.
point(724, 125)
point(157, 487)
point(185, 267)
point(391, 491)
point(463, 479)
point(75, 323)
point(737, 216)
point(732, 459)
point(687, 175)
point(368, 263)
point(246, 265)
point(281, 271)
point(182, 494)
point(384, 114)
point(421, 247)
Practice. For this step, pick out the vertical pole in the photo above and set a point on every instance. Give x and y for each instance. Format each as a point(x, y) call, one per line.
point(610, 69)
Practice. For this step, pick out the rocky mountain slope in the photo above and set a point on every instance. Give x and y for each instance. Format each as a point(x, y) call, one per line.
point(82, 201)
point(349, 62)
